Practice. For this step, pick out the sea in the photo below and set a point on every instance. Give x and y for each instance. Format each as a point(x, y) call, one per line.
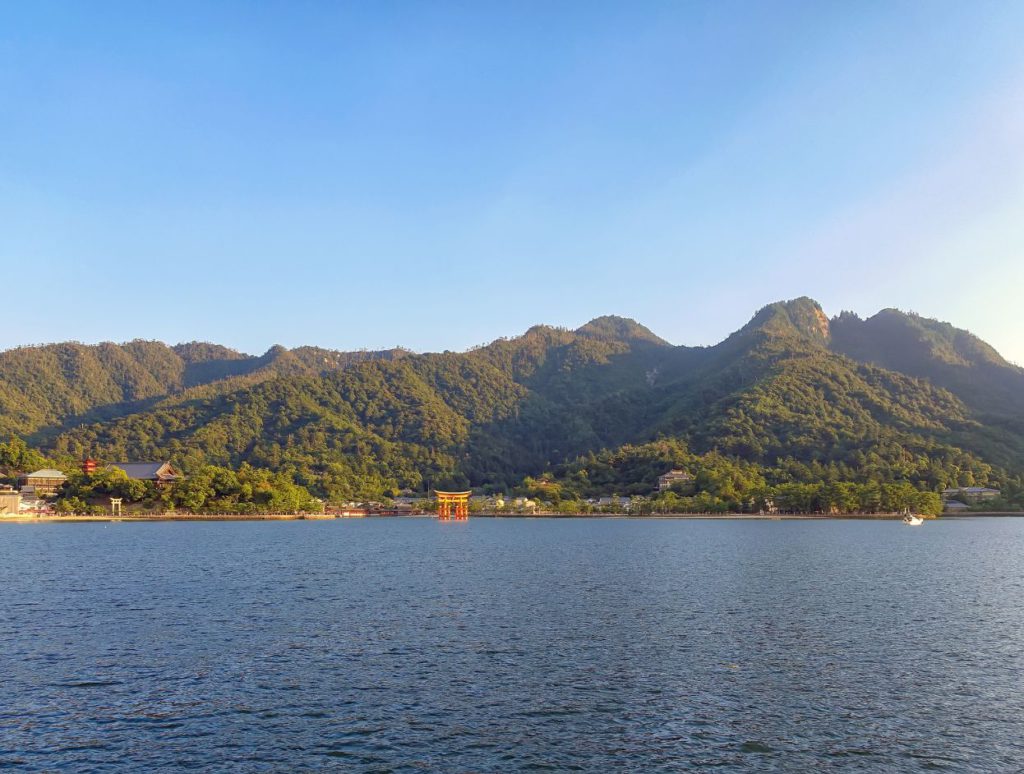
point(603, 645)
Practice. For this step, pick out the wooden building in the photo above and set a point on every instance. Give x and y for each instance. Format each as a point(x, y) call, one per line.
point(43, 483)
point(673, 477)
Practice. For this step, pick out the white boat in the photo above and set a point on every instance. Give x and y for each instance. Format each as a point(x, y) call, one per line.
point(912, 520)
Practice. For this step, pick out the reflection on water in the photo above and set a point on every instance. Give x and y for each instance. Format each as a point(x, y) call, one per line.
point(512, 644)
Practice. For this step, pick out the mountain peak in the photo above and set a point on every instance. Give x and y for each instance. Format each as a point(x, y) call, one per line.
point(803, 316)
point(275, 352)
point(202, 351)
point(892, 337)
point(621, 328)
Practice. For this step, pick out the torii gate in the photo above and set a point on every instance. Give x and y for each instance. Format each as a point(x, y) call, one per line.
point(452, 505)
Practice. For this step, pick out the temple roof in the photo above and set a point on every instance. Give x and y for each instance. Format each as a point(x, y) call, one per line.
point(146, 471)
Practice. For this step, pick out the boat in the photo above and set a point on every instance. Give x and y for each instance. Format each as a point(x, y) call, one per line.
point(913, 521)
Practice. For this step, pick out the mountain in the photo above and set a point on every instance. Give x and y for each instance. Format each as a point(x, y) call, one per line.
point(798, 395)
point(44, 389)
point(946, 356)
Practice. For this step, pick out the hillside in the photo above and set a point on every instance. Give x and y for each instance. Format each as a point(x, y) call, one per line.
point(802, 397)
point(946, 356)
point(46, 389)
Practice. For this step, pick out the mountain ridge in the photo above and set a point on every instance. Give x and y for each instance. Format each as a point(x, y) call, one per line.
point(791, 388)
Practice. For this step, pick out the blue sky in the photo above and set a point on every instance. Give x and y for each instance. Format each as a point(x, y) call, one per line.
point(436, 175)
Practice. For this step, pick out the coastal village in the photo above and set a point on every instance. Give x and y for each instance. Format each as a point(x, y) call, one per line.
point(37, 492)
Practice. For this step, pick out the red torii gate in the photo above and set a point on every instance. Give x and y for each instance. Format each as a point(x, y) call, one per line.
point(452, 505)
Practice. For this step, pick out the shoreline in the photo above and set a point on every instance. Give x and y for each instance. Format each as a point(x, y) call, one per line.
point(52, 519)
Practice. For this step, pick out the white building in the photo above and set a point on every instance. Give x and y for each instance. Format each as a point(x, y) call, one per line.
point(10, 501)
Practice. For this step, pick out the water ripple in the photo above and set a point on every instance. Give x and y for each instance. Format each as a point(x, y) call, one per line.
point(540, 645)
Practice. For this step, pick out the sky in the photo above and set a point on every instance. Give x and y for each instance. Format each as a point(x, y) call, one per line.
point(436, 175)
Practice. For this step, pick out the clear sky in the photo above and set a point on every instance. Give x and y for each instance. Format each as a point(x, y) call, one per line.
point(436, 175)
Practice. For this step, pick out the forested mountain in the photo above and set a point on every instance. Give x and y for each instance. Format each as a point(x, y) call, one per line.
point(50, 387)
point(946, 356)
point(894, 398)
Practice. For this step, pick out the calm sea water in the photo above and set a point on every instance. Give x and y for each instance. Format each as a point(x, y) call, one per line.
point(597, 645)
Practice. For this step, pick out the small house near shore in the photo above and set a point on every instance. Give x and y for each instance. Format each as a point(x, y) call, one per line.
point(43, 483)
point(970, 494)
point(161, 473)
